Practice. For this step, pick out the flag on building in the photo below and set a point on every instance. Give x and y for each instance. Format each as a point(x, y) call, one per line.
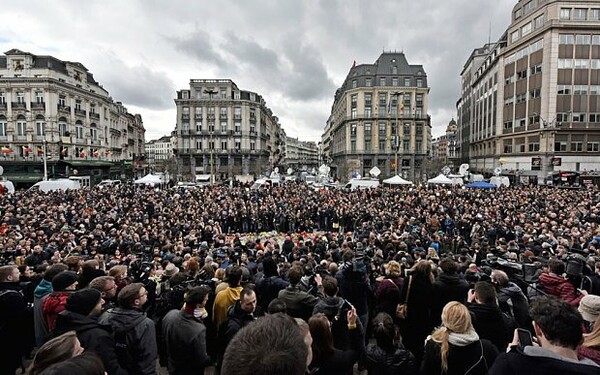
point(6, 150)
point(26, 149)
point(95, 153)
point(106, 153)
point(64, 151)
point(82, 154)
point(40, 151)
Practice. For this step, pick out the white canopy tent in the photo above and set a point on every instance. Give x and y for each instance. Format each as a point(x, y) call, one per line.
point(150, 180)
point(396, 180)
point(440, 180)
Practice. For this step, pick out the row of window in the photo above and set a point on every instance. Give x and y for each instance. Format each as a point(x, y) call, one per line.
point(212, 145)
point(383, 81)
point(383, 146)
point(39, 98)
point(580, 14)
point(582, 39)
point(211, 93)
point(558, 147)
point(578, 63)
point(40, 130)
point(578, 90)
point(211, 127)
point(533, 47)
point(561, 117)
point(527, 29)
point(237, 111)
point(382, 129)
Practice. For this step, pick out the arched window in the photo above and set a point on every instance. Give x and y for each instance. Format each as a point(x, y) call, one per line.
point(62, 126)
point(21, 126)
point(40, 125)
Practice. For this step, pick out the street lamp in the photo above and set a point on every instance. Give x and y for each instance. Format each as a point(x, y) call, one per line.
point(551, 126)
point(210, 93)
point(45, 160)
point(396, 137)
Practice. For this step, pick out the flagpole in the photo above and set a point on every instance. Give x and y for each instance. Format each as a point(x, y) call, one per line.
point(45, 162)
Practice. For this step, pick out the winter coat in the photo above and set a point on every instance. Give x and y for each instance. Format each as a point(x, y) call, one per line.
point(589, 352)
point(418, 323)
point(341, 361)
point(336, 310)
point(489, 324)
point(267, 289)
point(512, 301)
point(52, 306)
point(477, 356)
point(141, 335)
point(539, 361)
point(446, 288)
point(387, 295)
point(223, 301)
point(93, 336)
point(380, 362)
point(298, 304)
point(236, 320)
point(185, 338)
point(355, 287)
point(15, 321)
point(42, 291)
point(560, 287)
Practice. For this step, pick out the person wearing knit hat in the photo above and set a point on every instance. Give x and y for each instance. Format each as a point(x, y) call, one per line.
point(63, 284)
point(86, 302)
point(80, 315)
point(66, 280)
point(589, 307)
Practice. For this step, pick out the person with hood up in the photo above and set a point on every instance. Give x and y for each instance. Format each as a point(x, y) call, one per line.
point(41, 292)
point(81, 315)
point(135, 334)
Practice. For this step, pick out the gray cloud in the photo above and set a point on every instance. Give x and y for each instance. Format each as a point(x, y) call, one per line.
point(199, 45)
point(136, 85)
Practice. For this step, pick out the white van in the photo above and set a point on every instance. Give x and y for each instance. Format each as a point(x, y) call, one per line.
point(53, 185)
point(7, 186)
point(84, 181)
point(363, 183)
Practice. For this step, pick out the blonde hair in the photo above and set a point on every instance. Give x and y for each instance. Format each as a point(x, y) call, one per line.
point(392, 269)
point(455, 318)
point(592, 340)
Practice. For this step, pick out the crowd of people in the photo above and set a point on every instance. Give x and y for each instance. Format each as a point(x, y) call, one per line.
point(290, 279)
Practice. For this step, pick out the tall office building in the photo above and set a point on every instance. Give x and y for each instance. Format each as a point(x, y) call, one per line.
point(225, 132)
point(548, 87)
point(379, 119)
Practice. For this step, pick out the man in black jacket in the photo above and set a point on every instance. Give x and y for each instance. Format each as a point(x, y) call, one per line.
point(488, 319)
point(14, 317)
point(238, 316)
point(446, 288)
point(335, 309)
point(558, 328)
point(81, 315)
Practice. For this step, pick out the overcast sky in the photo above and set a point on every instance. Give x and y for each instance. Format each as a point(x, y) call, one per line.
point(294, 53)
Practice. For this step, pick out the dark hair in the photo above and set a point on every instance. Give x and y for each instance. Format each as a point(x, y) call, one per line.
point(276, 306)
point(87, 363)
point(556, 266)
point(384, 331)
point(269, 267)
point(234, 276)
point(248, 290)
point(330, 286)
point(295, 275)
point(486, 293)
point(449, 266)
point(196, 295)
point(55, 350)
point(272, 345)
point(322, 345)
point(560, 322)
point(129, 294)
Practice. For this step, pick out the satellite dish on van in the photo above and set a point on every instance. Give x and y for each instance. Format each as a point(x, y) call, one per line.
point(463, 169)
point(1, 171)
point(375, 172)
point(446, 170)
point(289, 171)
point(276, 169)
point(497, 171)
